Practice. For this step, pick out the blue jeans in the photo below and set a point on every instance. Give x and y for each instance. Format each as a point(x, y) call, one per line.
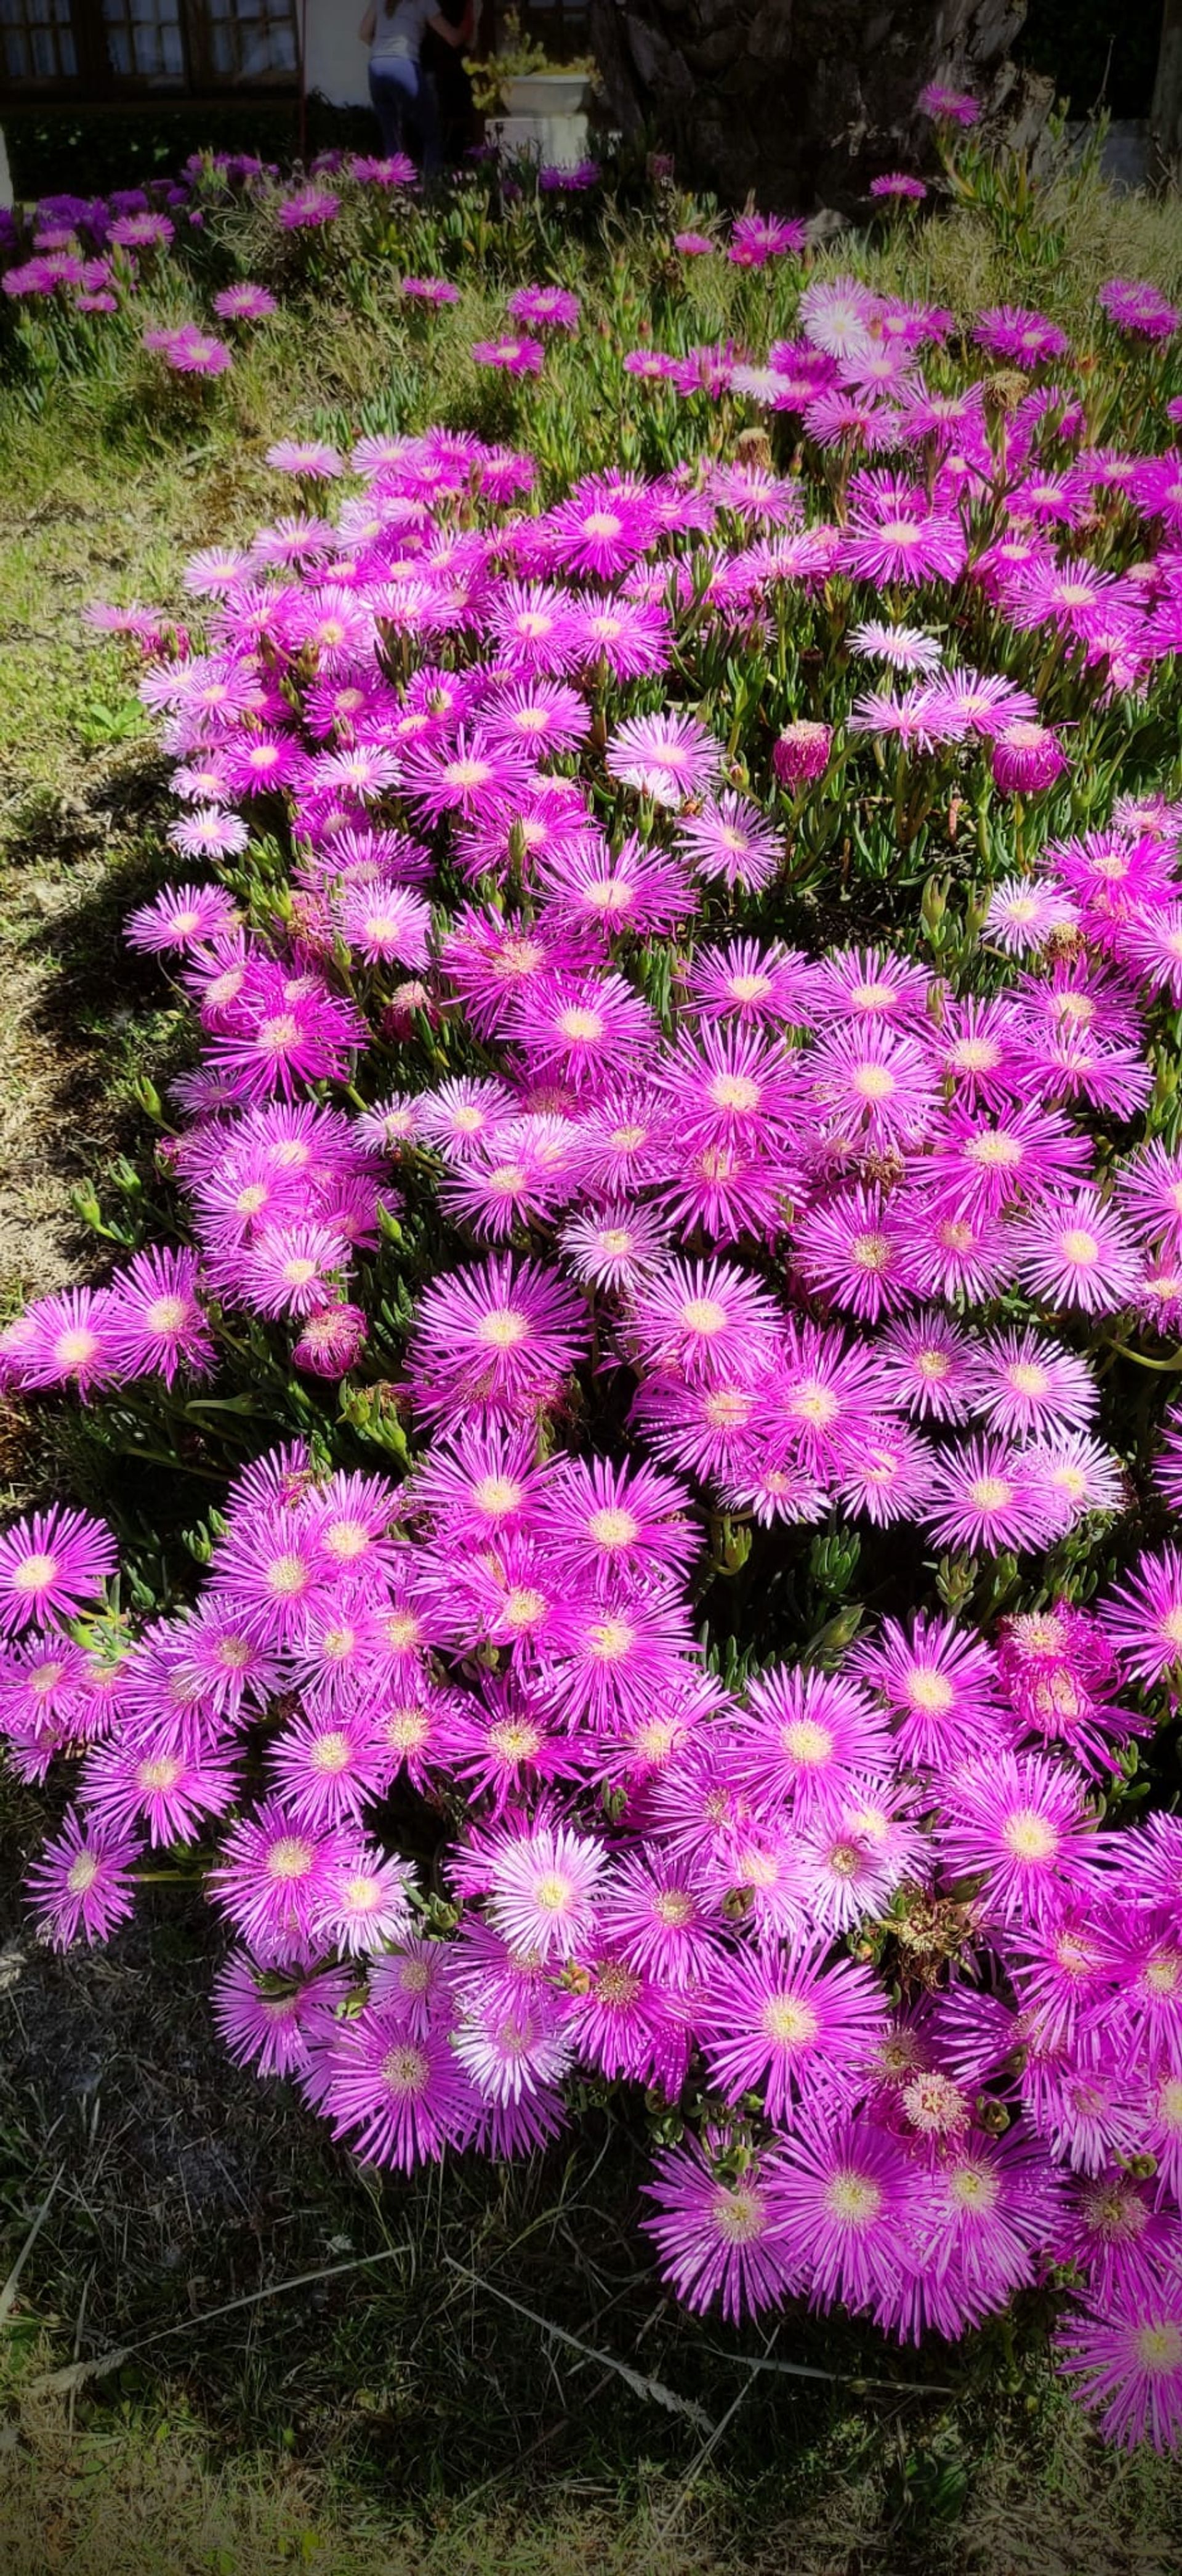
point(407, 109)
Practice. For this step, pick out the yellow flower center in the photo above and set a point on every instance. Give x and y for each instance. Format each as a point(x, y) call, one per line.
point(998, 1152)
point(727, 1408)
point(704, 1315)
point(975, 1055)
point(291, 1857)
point(1077, 1245)
point(332, 1752)
point(930, 1691)
point(553, 1893)
point(1029, 1836)
point(611, 1641)
point(345, 1539)
point(406, 1728)
point(738, 2215)
point(74, 1349)
point(34, 1574)
point(874, 1082)
point(504, 1329)
point(789, 2021)
point(524, 1607)
point(514, 1739)
point(813, 1403)
point(673, 1907)
point(363, 1895)
point(286, 1576)
point(163, 1773)
point(853, 2199)
point(806, 1740)
point(497, 1495)
point(735, 1091)
point(281, 1031)
point(166, 1315)
point(613, 1527)
point(973, 2187)
point(406, 2069)
point(1027, 1378)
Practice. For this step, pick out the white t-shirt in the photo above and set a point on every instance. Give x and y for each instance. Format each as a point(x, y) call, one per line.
point(401, 36)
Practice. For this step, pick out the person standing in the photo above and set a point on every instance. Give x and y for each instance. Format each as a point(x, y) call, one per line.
point(404, 96)
point(447, 68)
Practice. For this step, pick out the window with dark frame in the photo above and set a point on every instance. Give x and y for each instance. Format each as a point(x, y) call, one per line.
point(144, 42)
point(111, 49)
point(37, 42)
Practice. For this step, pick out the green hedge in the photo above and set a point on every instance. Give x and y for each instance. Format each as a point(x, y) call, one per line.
point(92, 150)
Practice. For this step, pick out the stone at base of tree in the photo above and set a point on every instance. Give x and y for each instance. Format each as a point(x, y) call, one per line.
point(805, 101)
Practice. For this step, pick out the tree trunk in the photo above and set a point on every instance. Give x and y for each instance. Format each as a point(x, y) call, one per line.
point(1165, 114)
point(803, 101)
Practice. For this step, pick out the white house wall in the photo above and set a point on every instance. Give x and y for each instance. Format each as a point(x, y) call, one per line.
point(337, 64)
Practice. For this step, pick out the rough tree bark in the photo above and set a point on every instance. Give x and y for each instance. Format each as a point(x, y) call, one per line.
point(803, 101)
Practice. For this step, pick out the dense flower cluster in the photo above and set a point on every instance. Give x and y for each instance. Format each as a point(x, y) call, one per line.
point(733, 1234)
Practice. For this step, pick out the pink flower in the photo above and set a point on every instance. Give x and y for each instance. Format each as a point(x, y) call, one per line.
point(431, 290)
point(545, 1888)
point(1144, 1617)
point(50, 1565)
point(665, 757)
point(82, 1884)
point(1020, 1822)
point(1138, 308)
point(158, 1323)
point(399, 2097)
point(499, 1338)
point(898, 184)
point(952, 105)
point(544, 308)
point(1022, 338)
point(850, 2203)
point(757, 238)
point(717, 2232)
point(244, 303)
point(893, 534)
point(520, 357)
point(1127, 2365)
point(801, 753)
point(1076, 1252)
point(308, 208)
point(798, 2027)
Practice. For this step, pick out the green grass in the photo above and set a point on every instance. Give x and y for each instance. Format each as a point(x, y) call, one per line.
point(420, 2411)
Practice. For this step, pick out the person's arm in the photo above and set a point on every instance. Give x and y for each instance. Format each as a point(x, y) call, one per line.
point(368, 28)
point(455, 36)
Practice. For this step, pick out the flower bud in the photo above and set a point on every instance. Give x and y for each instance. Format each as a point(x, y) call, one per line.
point(330, 1341)
point(802, 754)
point(1027, 758)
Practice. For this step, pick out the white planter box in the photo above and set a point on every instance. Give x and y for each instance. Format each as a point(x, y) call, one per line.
point(546, 94)
point(557, 142)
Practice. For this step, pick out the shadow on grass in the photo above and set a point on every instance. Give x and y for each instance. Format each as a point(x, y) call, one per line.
point(492, 2335)
point(85, 1020)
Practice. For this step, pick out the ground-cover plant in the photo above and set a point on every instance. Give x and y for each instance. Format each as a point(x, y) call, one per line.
point(674, 1232)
